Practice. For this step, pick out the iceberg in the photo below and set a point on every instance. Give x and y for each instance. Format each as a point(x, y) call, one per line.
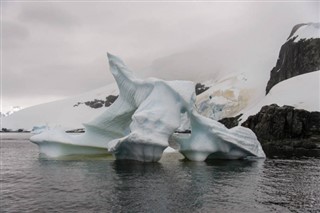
point(137, 126)
point(140, 123)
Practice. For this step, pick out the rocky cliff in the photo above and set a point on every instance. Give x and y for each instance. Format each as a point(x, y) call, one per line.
point(299, 55)
point(286, 131)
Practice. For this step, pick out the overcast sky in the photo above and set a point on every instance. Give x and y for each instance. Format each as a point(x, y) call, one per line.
point(52, 50)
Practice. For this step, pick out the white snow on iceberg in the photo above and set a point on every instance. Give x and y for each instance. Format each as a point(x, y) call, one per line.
point(143, 118)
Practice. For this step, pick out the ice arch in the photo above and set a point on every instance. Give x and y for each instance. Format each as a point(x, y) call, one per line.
point(138, 125)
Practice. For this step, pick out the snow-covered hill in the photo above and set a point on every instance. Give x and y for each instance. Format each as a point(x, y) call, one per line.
point(11, 111)
point(301, 92)
point(68, 113)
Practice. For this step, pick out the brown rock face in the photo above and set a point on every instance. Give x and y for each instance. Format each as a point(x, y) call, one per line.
point(296, 58)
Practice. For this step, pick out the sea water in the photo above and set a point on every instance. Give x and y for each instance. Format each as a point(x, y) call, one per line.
point(33, 183)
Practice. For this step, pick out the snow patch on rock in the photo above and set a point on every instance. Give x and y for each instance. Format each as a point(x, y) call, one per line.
point(305, 31)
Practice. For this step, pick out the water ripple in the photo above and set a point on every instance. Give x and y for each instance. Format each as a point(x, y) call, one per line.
point(30, 183)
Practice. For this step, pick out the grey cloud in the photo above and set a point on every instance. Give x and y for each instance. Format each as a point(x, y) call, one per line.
point(11, 30)
point(47, 14)
point(13, 34)
point(59, 80)
point(60, 48)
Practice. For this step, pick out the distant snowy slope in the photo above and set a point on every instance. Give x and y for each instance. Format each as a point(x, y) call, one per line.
point(67, 113)
point(11, 111)
point(301, 92)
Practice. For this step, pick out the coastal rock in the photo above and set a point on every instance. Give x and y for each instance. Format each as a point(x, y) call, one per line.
point(299, 55)
point(286, 131)
point(200, 88)
point(96, 103)
point(230, 121)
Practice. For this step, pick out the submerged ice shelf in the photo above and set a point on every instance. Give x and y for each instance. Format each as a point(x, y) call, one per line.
point(143, 118)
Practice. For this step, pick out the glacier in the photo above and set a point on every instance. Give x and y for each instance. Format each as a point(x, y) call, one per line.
point(140, 123)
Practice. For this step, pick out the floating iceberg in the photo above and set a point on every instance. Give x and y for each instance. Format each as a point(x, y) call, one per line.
point(137, 126)
point(143, 118)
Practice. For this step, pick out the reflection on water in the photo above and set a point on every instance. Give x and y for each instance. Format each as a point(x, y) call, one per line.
point(182, 186)
point(100, 184)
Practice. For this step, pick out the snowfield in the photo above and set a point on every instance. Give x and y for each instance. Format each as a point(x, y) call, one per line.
point(60, 113)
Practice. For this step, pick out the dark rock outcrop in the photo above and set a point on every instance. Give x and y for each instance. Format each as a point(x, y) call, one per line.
point(95, 103)
point(296, 57)
point(99, 103)
point(200, 88)
point(110, 100)
point(81, 130)
point(231, 121)
point(286, 131)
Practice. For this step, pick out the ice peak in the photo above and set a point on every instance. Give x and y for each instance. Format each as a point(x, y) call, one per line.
point(120, 71)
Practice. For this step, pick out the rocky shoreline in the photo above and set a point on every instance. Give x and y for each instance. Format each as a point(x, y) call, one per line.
point(284, 132)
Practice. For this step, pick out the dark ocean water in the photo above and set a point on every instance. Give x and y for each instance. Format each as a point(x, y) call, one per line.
point(31, 183)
